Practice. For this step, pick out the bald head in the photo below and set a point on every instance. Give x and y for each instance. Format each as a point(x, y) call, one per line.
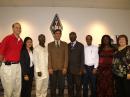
point(72, 36)
point(41, 39)
point(16, 27)
point(13, 25)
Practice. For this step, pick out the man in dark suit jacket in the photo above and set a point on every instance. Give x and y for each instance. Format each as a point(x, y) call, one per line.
point(75, 65)
point(57, 64)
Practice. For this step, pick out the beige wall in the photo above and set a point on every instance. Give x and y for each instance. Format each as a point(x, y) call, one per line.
point(83, 21)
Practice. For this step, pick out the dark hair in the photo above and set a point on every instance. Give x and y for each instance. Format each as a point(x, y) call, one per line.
point(102, 44)
point(89, 36)
point(24, 43)
point(122, 36)
point(57, 30)
point(72, 33)
point(15, 24)
point(40, 36)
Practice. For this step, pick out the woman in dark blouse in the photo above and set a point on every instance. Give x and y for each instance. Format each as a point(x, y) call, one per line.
point(26, 61)
point(121, 67)
point(105, 82)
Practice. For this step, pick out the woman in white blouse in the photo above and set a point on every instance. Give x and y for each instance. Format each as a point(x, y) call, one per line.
point(26, 61)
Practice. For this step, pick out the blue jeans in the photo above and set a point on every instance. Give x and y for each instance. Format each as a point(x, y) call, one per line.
point(88, 77)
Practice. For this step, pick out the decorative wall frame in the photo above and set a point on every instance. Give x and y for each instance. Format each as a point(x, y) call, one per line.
point(56, 24)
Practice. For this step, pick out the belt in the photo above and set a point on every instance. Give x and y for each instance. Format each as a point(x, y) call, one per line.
point(9, 63)
point(89, 66)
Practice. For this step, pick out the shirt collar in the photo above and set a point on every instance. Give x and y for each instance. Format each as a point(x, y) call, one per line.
point(15, 37)
point(74, 42)
point(57, 41)
point(89, 45)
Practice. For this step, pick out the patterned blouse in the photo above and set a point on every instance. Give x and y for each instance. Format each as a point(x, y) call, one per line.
point(121, 62)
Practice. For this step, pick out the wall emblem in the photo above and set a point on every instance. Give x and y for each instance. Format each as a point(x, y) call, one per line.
point(56, 24)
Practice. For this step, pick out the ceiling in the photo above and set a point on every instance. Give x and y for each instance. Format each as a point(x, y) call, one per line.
point(108, 4)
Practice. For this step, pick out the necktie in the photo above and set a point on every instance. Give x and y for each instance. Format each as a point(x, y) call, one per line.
point(72, 45)
point(57, 44)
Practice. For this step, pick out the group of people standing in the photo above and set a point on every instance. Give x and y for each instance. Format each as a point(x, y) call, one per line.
point(104, 69)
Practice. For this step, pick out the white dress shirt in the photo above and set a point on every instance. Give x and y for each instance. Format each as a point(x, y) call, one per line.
point(31, 58)
point(91, 55)
point(73, 43)
point(57, 42)
point(41, 61)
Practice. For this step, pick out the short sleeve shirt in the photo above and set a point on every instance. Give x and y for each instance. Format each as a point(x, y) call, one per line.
point(10, 48)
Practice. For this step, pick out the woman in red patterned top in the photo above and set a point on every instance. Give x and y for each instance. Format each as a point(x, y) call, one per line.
point(105, 85)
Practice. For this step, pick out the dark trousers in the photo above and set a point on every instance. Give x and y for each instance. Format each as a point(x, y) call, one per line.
point(57, 81)
point(74, 85)
point(27, 84)
point(122, 86)
point(26, 88)
point(89, 79)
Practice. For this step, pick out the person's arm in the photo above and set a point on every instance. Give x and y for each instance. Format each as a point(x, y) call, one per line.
point(66, 59)
point(36, 62)
point(23, 62)
point(82, 60)
point(96, 60)
point(3, 46)
point(128, 61)
point(50, 70)
point(1, 58)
